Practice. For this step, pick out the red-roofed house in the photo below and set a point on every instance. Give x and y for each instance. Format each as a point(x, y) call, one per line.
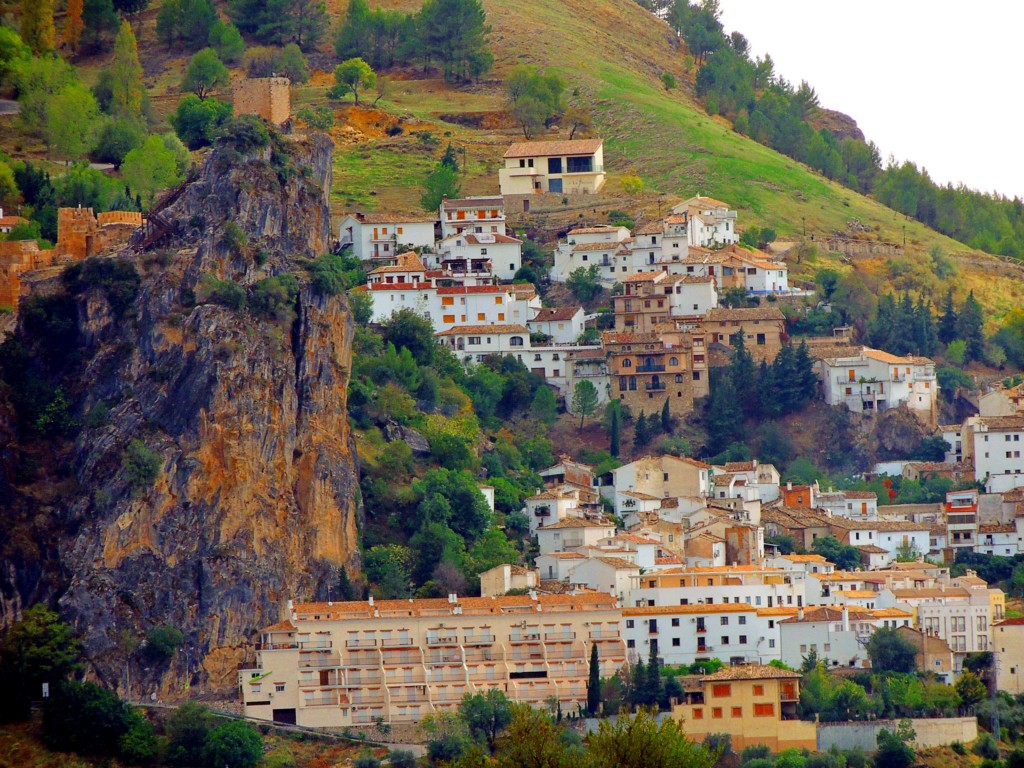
point(553, 166)
point(383, 236)
point(562, 325)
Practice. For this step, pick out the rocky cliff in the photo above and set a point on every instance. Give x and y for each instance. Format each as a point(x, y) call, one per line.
point(201, 471)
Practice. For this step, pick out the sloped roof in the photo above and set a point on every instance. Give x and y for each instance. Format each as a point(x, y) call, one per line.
point(552, 148)
point(751, 672)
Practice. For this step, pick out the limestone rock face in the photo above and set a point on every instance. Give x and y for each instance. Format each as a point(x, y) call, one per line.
point(256, 498)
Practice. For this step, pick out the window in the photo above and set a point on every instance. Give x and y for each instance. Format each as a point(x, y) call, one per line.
point(399, 230)
point(737, 711)
point(759, 690)
point(721, 690)
point(629, 623)
point(725, 640)
point(675, 642)
point(673, 361)
point(499, 299)
point(627, 363)
point(716, 713)
point(698, 714)
point(279, 687)
point(743, 639)
point(675, 622)
point(631, 643)
point(515, 341)
point(474, 340)
point(725, 621)
point(448, 319)
point(764, 710)
point(743, 619)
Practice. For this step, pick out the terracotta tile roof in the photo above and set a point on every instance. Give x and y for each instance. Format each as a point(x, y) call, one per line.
point(827, 613)
point(890, 613)
point(566, 555)
point(708, 201)
point(997, 528)
point(668, 560)
point(459, 330)
point(556, 314)
point(577, 522)
point(392, 218)
point(639, 495)
point(644, 277)
point(594, 230)
point(930, 592)
point(663, 610)
point(619, 563)
point(696, 463)
point(12, 221)
point(751, 672)
point(485, 238)
point(474, 202)
point(407, 262)
point(586, 247)
point(1017, 621)
point(280, 626)
point(611, 337)
point(857, 593)
point(778, 610)
point(635, 538)
point(871, 549)
point(457, 289)
point(1000, 423)
point(860, 494)
point(550, 148)
point(721, 314)
point(397, 286)
point(804, 558)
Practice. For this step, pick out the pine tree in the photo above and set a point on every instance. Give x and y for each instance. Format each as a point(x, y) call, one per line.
point(767, 392)
point(127, 88)
point(948, 320)
point(594, 683)
point(742, 372)
point(638, 683)
point(37, 30)
point(970, 327)
point(924, 328)
point(614, 431)
point(882, 329)
point(803, 367)
point(787, 385)
point(652, 694)
point(904, 327)
point(345, 590)
point(666, 418)
point(641, 432)
point(450, 158)
point(722, 419)
point(73, 24)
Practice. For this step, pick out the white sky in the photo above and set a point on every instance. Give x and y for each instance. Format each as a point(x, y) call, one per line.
point(933, 81)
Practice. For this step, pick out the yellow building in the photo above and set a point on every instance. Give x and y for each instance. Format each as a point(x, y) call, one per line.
point(339, 664)
point(1008, 646)
point(754, 704)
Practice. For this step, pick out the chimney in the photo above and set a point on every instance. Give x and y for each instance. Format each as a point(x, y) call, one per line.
point(800, 613)
point(789, 486)
point(846, 618)
point(453, 598)
point(371, 601)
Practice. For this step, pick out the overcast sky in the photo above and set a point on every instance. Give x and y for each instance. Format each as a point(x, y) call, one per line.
point(932, 81)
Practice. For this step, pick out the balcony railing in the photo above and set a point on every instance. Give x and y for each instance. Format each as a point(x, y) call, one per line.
point(559, 636)
point(525, 637)
point(320, 661)
point(312, 645)
point(321, 701)
point(443, 640)
point(605, 634)
point(363, 643)
point(277, 646)
point(655, 386)
point(650, 368)
point(395, 642)
point(478, 639)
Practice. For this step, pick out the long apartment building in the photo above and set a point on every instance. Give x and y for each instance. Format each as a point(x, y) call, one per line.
point(341, 664)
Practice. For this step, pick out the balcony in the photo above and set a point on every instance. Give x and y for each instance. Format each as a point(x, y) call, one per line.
point(444, 658)
point(314, 662)
point(525, 637)
point(605, 634)
point(559, 637)
point(448, 677)
point(361, 681)
point(409, 697)
point(321, 701)
point(276, 646)
point(478, 639)
point(367, 701)
point(314, 645)
point(650, 368)
point(526, 654)
point(395, 642)
point(442, 640)
point(362, 661)
point(655, 386)
point(395, 659)
point(365, 643)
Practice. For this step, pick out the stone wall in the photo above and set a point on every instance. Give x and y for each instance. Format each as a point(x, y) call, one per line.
point(930, 732)
point(15, 258)
point(267, 97)
point(863, 248)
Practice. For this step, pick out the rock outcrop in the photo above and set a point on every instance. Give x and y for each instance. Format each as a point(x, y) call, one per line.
point(841, 125)
point(255, 498)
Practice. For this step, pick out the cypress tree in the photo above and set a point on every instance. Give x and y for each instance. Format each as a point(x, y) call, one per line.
point(970, 327)
point(127, 88)
point(666, 418)
point(767, 394)
point(594, 683)
point(652, 695)
point(742, 371)
point(613, 432)
point(882, 330)
point(924, 327)
point(948, 319)
point(641, 432)
point(803, 367)
point(722, 418)
point(345, 590)
point(638, 683)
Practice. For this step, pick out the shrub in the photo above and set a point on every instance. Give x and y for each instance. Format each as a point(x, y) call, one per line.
point(986, 747)
point(198, 121)
point(117, 139)
point(755, 752)
point(187, 730)
point(366, 760)
point(402, 758)
point(141, 465)
point(117, 279)
point(162, 643)
point(227, 293)
point(139, 745)
point(668, 80)
point(274, 297)
point(85, 718)
point(958, 747)
point(246, 133)
point(233, 743)
point(233, 238)
point(320, 118)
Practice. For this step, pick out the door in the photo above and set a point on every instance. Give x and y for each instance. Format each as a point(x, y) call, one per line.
point(286, 716)
point(554, 185)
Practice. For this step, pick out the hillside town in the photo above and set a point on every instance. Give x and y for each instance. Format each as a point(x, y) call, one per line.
point(664, 556)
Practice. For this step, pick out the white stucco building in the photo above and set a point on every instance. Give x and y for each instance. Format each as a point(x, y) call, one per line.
point(383, 236)
point(872, 381)
point(575, 166)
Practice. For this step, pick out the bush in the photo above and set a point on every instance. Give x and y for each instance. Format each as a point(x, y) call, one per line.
point(986, 747)
point(139, 745)
point(668, 80)
point(274, 297)
point(117, 139)
point(187, 730)
point(117, 279)
point(233, 743)
point(246, 133)
point(755, 752)
point(162, 643)
point(402, 758)
point(85, 718)
point(227, 293)
point(332, 274)
point(141, 465)
point(366, 760)
point(958, 747)
point(198, 121)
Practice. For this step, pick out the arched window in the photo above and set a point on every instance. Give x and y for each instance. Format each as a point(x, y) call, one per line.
point(673, 361)
point(515, 341)
point(679, 378)
point(627, 363)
